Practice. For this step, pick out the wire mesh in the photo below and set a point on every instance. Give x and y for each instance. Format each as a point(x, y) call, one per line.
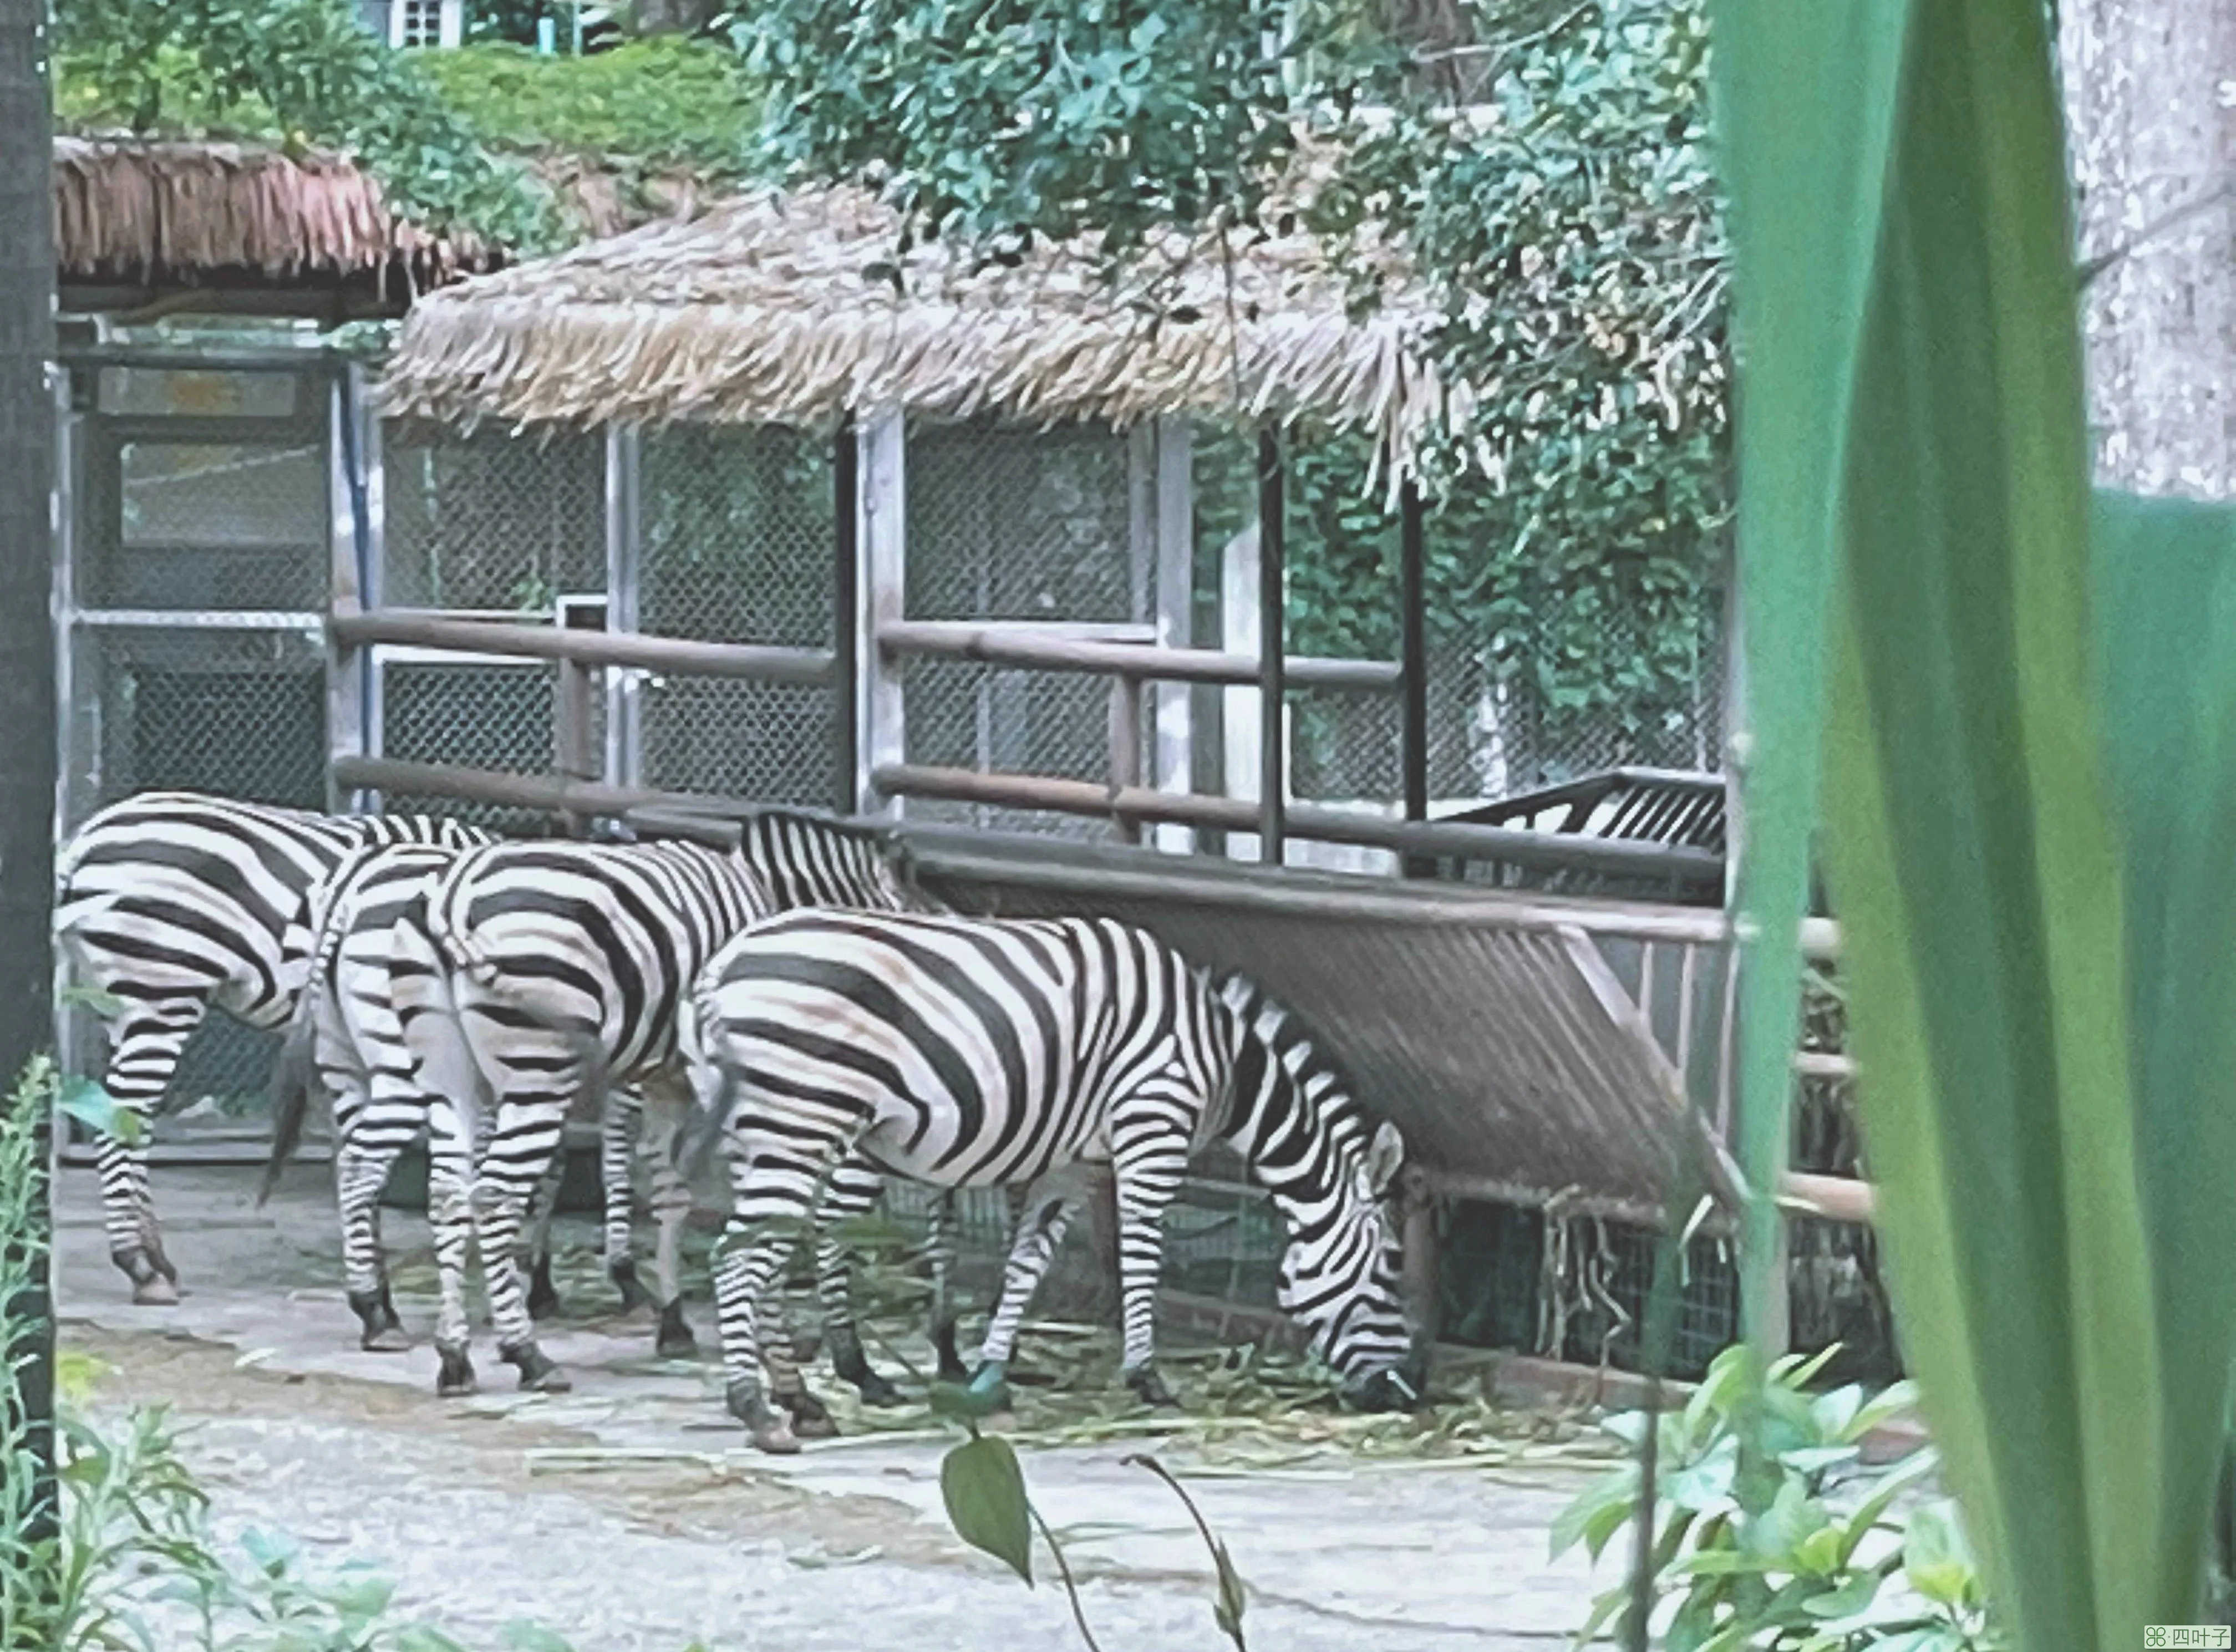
point(238, 714)
point(1565, 673)
point(738, 543)
point(490, 521)
point(1006, 522)
point(475, 714)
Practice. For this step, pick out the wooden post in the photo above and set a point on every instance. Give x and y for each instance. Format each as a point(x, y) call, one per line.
point(845, 607)
point(1412, 598)
point(1272, 641)
point(881, 505)
point(571, 733)
point(1126, 746)
point(1417, 1234)
point(354, 464)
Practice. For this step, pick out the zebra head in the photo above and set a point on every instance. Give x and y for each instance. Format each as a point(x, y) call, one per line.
point(1332, 1171)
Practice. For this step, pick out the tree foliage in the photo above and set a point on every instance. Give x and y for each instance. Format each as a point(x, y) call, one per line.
point(297, 74)
point(1564, 222)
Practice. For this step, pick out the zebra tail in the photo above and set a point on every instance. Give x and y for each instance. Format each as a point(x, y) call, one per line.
point(291, 1097)
point(710, 1115)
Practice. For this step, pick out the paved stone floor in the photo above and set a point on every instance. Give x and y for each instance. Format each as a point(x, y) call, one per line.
point(628, 1516)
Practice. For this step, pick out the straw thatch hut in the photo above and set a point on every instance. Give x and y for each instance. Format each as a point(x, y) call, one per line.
point(791, 307)
point(231, 227)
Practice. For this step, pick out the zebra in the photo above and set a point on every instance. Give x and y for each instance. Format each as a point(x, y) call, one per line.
point(169, 905)
point(560, 966)
point(971, 1051)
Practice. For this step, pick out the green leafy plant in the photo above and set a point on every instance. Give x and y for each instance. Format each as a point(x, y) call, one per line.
point(1803, 1563)
point(983, 1485)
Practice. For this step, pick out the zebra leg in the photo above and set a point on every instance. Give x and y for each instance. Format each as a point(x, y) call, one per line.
point(521, 1149)
point(144, 1049)
point(939, 1255)
point(851, 1192)
point(450, 1133)
point(665, 1105)
point(361, 1164)
point(776, 1184)
point(542, 1205)
point(1148, 1160)
point(1043, 1214)
point(620, 1123)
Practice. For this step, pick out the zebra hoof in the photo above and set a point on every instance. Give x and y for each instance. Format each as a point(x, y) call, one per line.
point(456, 1379)
point(635, 1296)
point(154, 1283)
point(156, 1293)
point(383, 1332)
point(990, 1385)
point(1149, 1388)
point(539, 1372)
point(770, 1428)
point(542, 1296)
point(875, 1387)
point(810, 1421)
point(674, 1340)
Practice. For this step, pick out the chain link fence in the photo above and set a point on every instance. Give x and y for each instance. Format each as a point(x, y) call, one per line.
point(1010, 523)
point(490, 521)
point(200, 553)
point(737, 540)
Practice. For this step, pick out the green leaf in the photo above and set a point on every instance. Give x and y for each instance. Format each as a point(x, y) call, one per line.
point(1227, 1610)
point(91, 1105)
point(984, 1490)
point(961, 1402)
point(104, 1004)
point(1850, 1598)
point(1934, 1561)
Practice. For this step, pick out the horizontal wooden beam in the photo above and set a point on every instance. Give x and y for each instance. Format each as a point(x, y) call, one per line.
point(1834, 1198)
point(1028, 651)
point(415, 629)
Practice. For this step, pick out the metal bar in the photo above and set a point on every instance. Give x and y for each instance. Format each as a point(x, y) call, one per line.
point(1027, 861)
point(1834, 1198)
point(115, 355)
point(540, 792)
point(1303, 820)
point(158, 619)
point(846, 605)
point(1126, 747)
point(1272, 633)
point(881, 507)
point(624, 763)
point(809, 666)
point(1173, 703)
point(1034, 648)
point(1413, 750)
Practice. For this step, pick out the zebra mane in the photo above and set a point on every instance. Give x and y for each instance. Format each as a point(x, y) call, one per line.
point(1312, 1069)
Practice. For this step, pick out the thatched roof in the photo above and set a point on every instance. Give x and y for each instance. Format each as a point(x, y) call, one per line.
point(774, 309)
point(139, 211)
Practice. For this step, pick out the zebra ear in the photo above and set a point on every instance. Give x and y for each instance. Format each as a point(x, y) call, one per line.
point(1386, 1157)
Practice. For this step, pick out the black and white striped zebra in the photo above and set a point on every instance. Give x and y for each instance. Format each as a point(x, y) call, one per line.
point(561, 966)
point(170, 905)
point(962, 1051)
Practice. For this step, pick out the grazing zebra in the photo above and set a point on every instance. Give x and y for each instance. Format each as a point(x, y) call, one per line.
point(170, 905)
point(561, 967)
point(964, 1051)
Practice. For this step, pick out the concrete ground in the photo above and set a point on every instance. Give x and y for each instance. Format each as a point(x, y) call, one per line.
point(627, 1516)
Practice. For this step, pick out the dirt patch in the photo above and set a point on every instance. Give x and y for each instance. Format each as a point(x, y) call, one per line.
point(204, 1381)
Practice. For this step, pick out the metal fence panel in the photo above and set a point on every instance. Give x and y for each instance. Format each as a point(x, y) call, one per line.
point(738, 541)
point(490, 521)
point(1010, 523)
